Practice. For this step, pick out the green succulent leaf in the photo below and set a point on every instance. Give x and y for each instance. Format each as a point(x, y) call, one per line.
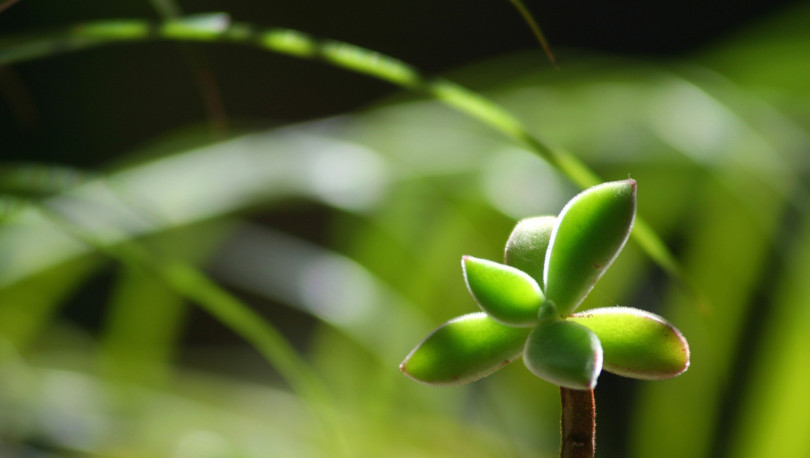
point(636, 343)
point(463, 350)
point(564, 353)
point(590, 232)
point(507, 294)
point(526, 247)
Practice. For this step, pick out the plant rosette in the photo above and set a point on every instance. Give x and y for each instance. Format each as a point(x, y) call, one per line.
point(528, 304)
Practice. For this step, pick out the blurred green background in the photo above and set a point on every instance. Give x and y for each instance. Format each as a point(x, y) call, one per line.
point(209, 250)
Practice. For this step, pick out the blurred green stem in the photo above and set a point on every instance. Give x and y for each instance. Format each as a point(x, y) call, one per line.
point(218, 28)
point(577, 423)
point(188, 282)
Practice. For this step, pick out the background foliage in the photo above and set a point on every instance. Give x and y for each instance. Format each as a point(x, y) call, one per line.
point(164, 203)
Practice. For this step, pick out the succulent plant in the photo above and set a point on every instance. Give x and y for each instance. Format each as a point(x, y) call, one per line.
point(528, 305)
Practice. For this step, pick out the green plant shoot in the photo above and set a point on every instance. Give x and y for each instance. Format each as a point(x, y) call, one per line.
point(528, 304)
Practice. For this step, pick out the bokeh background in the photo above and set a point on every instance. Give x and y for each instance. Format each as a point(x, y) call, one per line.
point(152, 190)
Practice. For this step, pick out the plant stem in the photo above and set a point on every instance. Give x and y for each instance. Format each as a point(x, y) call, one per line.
point(578, 424)
point(6, 4)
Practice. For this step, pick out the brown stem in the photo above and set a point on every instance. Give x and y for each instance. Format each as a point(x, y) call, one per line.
point(6, 4)
point(578, 424)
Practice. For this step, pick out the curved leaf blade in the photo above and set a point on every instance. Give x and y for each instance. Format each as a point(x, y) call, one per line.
point(105, 32)
point(463, 350)
point(527, 244)
point(590, 232)
point(508, 295)
point(636, 343)
point(564, 353)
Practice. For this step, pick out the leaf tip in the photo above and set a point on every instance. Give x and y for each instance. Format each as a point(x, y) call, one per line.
point(465, 259)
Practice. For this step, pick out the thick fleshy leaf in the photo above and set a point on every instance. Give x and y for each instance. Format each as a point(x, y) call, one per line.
point(507, 294)
point(526, 247)
point(463, 350)
point(636, 343)
point(590, 232)
point(564, 353)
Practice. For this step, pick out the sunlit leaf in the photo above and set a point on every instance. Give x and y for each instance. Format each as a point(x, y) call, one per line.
point(526, 247)
point(590, 232)
point(636, 343)
point(564, 353)
point(463, 350)
point(507, 294)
